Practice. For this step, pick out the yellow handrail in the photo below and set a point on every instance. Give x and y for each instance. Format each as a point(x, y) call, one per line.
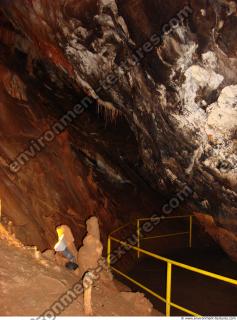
point(166, 235)
point(139, 284)
point(109, 251)
point(189, 232)
point(168, 288)
point(177, 264)
point(170, 263)
point(164, 218)
point(122, 227)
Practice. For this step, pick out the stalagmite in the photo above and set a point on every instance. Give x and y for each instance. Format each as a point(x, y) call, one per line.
point(91, 251)
point(87, 285)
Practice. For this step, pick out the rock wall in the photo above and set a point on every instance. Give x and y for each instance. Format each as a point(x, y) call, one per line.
point(168, 69)
point(82, 172)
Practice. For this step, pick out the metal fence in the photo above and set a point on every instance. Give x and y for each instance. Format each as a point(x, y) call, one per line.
point(170, 264)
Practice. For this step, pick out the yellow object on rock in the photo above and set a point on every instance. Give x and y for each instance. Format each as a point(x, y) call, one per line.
point(59, 232)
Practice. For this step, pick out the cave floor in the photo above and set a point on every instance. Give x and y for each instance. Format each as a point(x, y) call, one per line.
point(31, 284)
point(201, 294)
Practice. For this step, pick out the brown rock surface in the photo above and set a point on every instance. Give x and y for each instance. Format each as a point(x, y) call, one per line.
point(169, 133)
point(91, 251)
point(30, 286)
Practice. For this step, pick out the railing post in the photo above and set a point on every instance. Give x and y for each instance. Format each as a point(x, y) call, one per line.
point(138, 237)
point(168, 288)
point(190, 231)
point(109, 251)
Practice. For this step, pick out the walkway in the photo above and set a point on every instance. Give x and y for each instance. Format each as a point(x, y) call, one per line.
point(203, 295)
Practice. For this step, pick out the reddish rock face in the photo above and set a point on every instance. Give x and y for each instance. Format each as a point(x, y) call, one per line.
point(225, 238)
point(68, 180)
point(168, 110)
point(76, 175)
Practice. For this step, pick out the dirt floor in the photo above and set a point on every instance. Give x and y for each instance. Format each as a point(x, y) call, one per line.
point(202, 295)
point(31, 283)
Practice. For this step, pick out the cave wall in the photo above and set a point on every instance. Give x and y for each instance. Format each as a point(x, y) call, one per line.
point(179, 100)
point(80, 173)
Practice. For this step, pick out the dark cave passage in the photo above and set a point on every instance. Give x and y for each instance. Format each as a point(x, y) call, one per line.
point(198, 293)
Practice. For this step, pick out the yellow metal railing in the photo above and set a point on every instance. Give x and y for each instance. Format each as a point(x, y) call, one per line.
point(188, 232)
point(170, 263)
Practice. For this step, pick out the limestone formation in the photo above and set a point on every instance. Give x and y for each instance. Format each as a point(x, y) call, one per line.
point(165, 71)
point(87, 285)
point(49, 254)
point(91, 251)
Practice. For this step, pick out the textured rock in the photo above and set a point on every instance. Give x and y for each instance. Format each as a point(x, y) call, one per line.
point(49, 254)
point(91, 251)
point(139, 302)
point(222, 115)
point(172, 100)
point(30, 288)
point(226, 239)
